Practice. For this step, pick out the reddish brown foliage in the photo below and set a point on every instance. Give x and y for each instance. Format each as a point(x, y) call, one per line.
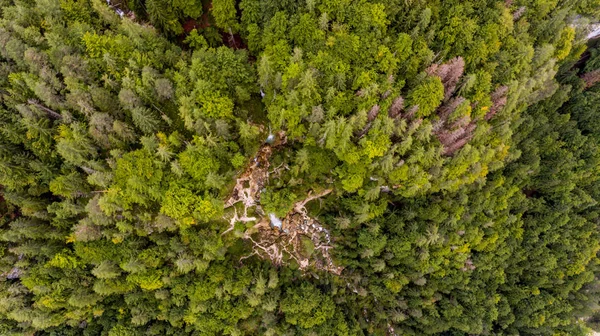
point(373, 113)
point(192, 24)
point(591, 78)
point(233, 41)
point(519, 12)
point(498, 101)
point(449, 73)
point(411, 112)
point(396, 107)
point(453, 135)
point(446, 109)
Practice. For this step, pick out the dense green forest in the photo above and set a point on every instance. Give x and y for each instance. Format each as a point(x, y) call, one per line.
point(286, 167)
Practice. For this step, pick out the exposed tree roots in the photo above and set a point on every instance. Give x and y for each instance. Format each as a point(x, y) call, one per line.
point(301, 238)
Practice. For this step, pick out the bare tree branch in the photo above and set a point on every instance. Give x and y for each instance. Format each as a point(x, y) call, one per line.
point(48, 111)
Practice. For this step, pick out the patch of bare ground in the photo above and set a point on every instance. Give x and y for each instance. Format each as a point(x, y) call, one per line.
point(301, 238)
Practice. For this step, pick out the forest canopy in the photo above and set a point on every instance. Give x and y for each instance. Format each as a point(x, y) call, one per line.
point(318, 167)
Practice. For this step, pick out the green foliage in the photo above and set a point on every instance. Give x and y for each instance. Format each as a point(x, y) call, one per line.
point(224, 13)
point(137, 179)
point(166, 15)
point(195, 40)
point(427, 96)
point(278, 202)
point(306, 307)
point(183, 205)
point(145, 120)
point(444, 155)
point(197, 161)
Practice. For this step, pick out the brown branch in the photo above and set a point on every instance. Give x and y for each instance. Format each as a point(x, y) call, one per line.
point(299, 206)
point(236, 219)
point(248, 256)
point(48, 111)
